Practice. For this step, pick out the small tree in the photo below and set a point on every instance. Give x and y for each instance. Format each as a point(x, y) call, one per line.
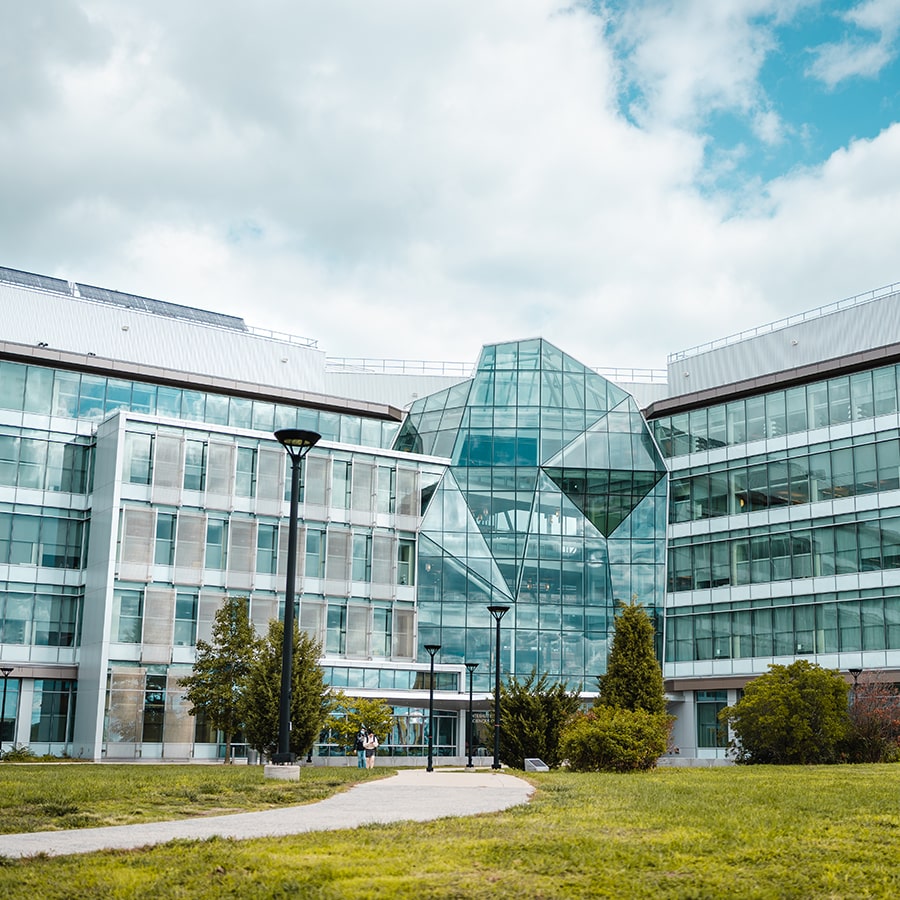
point(311, 698)
point(633, 678)
point(533, 713)
point(350, 714)
point(791, 714)
point(875, 720)
point(216, 682)
point(628, 727)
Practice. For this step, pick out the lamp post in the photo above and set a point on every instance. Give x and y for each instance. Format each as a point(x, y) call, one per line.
point(855, 673)
point(498, 612)
point(297, 443)
point(6, 671)
point(432, 649)
point(471, 667)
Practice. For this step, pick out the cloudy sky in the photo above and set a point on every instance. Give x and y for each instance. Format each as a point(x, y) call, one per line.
point(414, 178)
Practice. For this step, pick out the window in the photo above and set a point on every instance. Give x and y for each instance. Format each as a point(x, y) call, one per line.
point(185, 619)
point(168, 401)
point(194, 465)
point(406, 554)
point(38, 390)
point(385, 490)
point(362, 557)
point(154, 709)
point(60, 546)
point(23, 547)
point(128, 608)
point(53, 711)
point(336, 630)
point(55, 621)
point(17, 617)
point(12, 385)
point(795, 401)
point(32, 463)
point(267, 549)
point(67, 467)
point(164, 554)
point(66, 389)
point(381, 633)
point(216, 543)
point(710, 732)
point(245, 479)
point(884, 386)
point(8, 712)
point(340, 484)
point(9, 459)
point(315, 553)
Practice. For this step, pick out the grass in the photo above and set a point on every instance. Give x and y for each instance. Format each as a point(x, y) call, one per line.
point(51, 797)
point(760, 832)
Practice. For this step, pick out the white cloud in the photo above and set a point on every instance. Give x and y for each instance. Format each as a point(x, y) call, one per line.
point(876, 15)
point(856, 56)
point(412, 180)
point(835, 63)
point(694, 58)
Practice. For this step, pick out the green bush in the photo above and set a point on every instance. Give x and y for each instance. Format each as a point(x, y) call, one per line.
point(875, 721)
point(19, 754)
point(794, 714)
point(533, 713)
point(608, 739)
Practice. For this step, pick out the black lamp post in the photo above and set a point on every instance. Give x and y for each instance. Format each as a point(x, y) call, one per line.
point(855, 673)
point(471, 667)
point(498, 612)
point(297, 443)
point(6, 671)
point(432, 649)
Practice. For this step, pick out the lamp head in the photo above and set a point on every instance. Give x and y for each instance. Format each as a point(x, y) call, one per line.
point(498, 612)
point(471, 667)
point(432, 649)
point(5, 671)
point(296, 441)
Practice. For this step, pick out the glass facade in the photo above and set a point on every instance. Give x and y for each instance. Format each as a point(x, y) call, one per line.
point(827, 470)
point(554, 504)
point(803, 548)
point(806, 407)
point(787, 626)
point(543, 490)
point(80, 395)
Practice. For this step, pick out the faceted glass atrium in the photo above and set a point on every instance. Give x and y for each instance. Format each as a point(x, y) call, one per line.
point(554, 505)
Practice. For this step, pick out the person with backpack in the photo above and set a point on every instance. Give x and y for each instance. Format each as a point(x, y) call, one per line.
point(371, 745)
point(361, 748)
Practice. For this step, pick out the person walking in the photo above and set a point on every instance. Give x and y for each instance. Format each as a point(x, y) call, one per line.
point(371, 745)
point(361, 748)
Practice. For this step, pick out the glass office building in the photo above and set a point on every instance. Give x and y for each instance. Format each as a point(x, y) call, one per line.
point(553, 505)
point(784, 515)
point(749, 498)
point(137, 496)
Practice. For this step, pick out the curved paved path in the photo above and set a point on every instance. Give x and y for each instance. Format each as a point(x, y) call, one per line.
point(411, 795)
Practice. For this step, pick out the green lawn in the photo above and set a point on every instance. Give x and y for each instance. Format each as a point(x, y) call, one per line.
point(48, 797)
point(754, 832)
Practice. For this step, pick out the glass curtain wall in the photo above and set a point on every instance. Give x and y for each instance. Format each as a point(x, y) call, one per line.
point(554, 505)
point(79, 395)
point(835, 401)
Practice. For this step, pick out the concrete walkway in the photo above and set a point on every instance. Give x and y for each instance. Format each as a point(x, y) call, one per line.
point(411, 795)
